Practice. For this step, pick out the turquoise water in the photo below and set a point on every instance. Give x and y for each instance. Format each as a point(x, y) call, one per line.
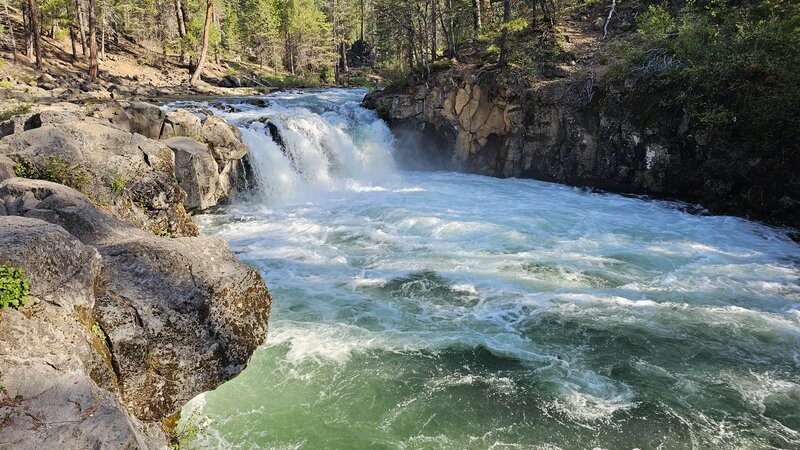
point(446, 311)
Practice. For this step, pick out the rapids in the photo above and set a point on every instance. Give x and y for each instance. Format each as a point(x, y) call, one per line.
point(445, 310)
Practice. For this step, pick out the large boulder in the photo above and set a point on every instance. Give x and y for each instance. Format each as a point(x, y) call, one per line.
point(115, 115)
point(57, 377)
point(182, 123)
point(180, 316)
point(131, 175)
point(196, 171)
point(146, 119)
point(225, 141)
point(7, 166)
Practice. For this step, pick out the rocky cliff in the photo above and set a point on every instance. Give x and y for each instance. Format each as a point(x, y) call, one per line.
point(127, 320)
point(594, 130)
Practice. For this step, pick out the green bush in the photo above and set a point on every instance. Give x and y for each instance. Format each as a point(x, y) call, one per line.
point(656, 24)
point(14, 287)
point(328, 75)
point(51, 168)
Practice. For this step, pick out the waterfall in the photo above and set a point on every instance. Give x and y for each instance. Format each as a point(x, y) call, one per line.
point(317, 143)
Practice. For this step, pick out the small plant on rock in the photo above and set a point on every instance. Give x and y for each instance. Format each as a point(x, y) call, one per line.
point(14, 286)
point(118, 184)
point(22, 108)
point(189, 430)
point(97, 331)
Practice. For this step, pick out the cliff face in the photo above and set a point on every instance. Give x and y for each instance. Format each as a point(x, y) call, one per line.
point(592, 131)
point(125, 324)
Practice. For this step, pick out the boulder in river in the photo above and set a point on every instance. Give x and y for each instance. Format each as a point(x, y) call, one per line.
point(125, 326)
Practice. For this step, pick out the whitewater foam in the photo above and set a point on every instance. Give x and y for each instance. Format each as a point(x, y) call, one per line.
point(458, 311)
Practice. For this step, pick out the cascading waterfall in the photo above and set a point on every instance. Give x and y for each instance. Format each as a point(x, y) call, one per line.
point(444, 310)
point(322, 141)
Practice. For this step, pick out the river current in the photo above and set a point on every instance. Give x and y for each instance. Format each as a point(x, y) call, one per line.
point(438, 310)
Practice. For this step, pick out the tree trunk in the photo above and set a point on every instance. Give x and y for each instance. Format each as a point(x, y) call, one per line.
point(476, 14)
point(102, 30)
point(336, 67)
point(103, 43)
point(215, 18)
point(26, 25)
point(204, 51)
point(37, 38)
point(434, 50)
point(72, 41)
point(80, 28)
point(504, 36)
point(92, 42)
point(11, 32)
point(343, 53)
point(410, 47)
point(181, 28)
point(362, 20)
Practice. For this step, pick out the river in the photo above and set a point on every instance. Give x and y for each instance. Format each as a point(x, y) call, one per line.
point(440, 310)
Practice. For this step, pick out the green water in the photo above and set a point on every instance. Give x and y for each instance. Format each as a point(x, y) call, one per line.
point(450, 311)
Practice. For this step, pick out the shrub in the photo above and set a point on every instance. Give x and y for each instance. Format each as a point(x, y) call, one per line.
point(188, 430)
point(51, 168)
point(118, 184)
point(22, 108)
point(14, 287)
point(656, 24)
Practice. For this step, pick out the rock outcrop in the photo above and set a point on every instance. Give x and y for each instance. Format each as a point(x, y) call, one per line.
point(125, 326)
point(592, 131)
point(114, 156)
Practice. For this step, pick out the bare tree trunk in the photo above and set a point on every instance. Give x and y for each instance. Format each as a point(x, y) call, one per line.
point(26, 25)
point(92, 42)
point(336, 67)
point(37, 38)
point(504, 37)
point(452, 24)
point(11, 32)
point(610, 13)
point(362, 20)
point(204, 51)
point(80, 28)
point(410, 47)
point(181, 27)
point(215, 17)
point(476, 14)
point(343, 53)
point(434, 50)
point(102, 30)
point(72, 40)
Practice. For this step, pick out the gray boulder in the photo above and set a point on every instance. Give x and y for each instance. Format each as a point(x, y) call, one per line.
point(130, 174)
point(182, 123)
point(6, 168)
point(180, 316)
point(196, 171)
point(225, 141)
point(146, 119)
point(49, 357)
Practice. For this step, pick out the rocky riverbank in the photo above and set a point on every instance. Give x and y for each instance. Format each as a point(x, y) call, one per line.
point(131, 314)
point(590, 129)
